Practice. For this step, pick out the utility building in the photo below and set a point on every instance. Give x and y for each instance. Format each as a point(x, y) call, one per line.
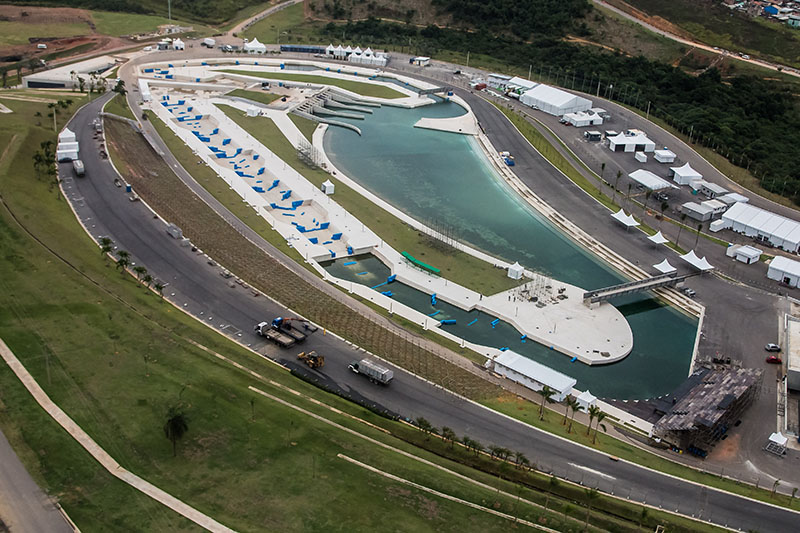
point(532, 375)
point(554, 101)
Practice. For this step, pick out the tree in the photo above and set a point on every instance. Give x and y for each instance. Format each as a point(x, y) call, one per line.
point(591, 496)
point(140, 271)
point(106, 247)
point(495, 451)
point(602, 170)
point(176, 427)
point(425, 426)
point(616, 182)
point(775, 487)
point(120, 89)
point(449, 435)
point(697, 237)
point(81, 84)
point(520, 459)
point(123, 260)
point(593, 411)
point(664, 207)
point(576, 408)
point(159, 287)
point(147, 279)
point(477, 447)
point(600, 417)
point(646, 199)
point(680, 228)
point(546, 393)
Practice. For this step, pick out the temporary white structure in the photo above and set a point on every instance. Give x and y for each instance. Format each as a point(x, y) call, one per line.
point(631, 143)
point(744, 254)
point(144, 90)
point(498, 81)
point(627, 220)
point(641, 157)
point(664, 156)
point(339, 52)
point(516, 271)
point(177, 44)
point(699, 263)
point(581, 119)
point(685, 175)
point(70, 154)
point(732, 197)
point(520, 84)
point(664, 267)
point(330, 50)
point(328, 187)
point(586, 399)
point(66, 136)
point(781, 232)
point(697, 211)
point(712, 190)
point(784, 270)
point(658, 238)
point(554, 101)
point(716, 206)
point(649, 180)
point(253, 111)
point(533, 375)
point(255, 47)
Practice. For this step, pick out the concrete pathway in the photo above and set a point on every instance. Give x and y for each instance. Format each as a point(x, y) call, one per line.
point(108, 462)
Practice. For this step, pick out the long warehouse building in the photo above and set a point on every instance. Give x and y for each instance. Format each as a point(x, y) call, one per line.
point(766, 226)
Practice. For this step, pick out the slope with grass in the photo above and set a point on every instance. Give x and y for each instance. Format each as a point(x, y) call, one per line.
point(256, 96)
point(118, 105)
point(364, 89)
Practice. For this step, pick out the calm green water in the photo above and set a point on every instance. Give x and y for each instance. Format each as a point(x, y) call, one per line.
point(443, 178)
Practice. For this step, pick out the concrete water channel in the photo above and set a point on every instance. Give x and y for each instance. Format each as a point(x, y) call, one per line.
point(444, 179)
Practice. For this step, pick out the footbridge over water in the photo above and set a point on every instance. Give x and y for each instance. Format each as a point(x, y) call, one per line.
point(656, 282)
point(435, 90)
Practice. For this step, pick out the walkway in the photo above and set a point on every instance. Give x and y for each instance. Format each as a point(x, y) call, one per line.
point(99, 453)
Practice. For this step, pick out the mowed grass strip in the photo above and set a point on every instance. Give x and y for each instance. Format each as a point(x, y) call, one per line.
point(118, 105)
point(455, 265)
point(256, 96)
point(358, 87)
point(13, 33)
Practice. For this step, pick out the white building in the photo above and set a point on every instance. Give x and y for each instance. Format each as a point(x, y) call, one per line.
point(516, 271)
point(712, 190)
point(67, 76)
point(779, 231)
point(328, 187)
point(420, 61)
point(732, 197)
point(664, 156)
point(699, 212)
point(685, 175)
point(255, 47)
point(533, 375)
point(649, 180)
point(745, 254)
point(581, 119)
point(784, 270)
point(177, 44)
point(717, 207)
point(498, 81)
point(636, 142)
point(520, 85)
point(66, 136)
point(554, 101)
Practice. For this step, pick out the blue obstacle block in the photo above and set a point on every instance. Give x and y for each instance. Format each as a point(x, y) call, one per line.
point(288, 214)
point(362, 273)
point(225, 141)
point(181, 102)
point(301, 229)
point(189, 108)
point(327, 242)
point(475, 320)
point(350, 263)
point(449, 322)
point(148, 70)
point(391, 278)
point(165, 104)
point(324, 225)
point(240, 174)
point(274, 184)
point(336, 236)
point(297, 203)
point(237, 61)
point(504, 349)
point(204, 63)
point(170, 65)
point(286, 195)
point(333, 254)
point(523, 337)
point(168, 76)
point(258, 189)
point(312, 240)
point(283, 66)
point(350, 250)
point(214, 131)
point(197, 80)
point(433, 299)
point(434, 313)
point(378, 285)
point(495, 321)
point(571, 360)
point(242, 160)
point(387, 293)
point(255, 157)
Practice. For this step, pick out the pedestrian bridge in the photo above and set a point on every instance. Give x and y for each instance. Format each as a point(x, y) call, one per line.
point(435, 90)
point(647, 284)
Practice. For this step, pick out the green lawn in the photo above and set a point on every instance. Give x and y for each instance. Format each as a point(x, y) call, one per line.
point(118, 105)
point(257, 96)
point(358, 87)
point(117, 23)
point(12, 33)
point(305, 125)
point(457, 266)
point(290, 26)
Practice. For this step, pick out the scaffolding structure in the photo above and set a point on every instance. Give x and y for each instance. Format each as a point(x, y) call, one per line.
point(309, 154)
point(702, 417)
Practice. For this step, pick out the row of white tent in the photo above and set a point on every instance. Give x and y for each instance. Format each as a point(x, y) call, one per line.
point(357, 55)
point(764, 225)
point(255, 47)
point(67, 148)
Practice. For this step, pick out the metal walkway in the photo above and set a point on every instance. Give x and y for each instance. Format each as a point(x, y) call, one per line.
point(648, 284)
point(435, 90)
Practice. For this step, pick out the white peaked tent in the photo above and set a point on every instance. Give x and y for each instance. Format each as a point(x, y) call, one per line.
point(255, 47)
point(515, 271)
point(348, 50)
point(658, 238)
point(586, 399)
point(628, 220)
point(339, 51)
point(685, 175)
point(664, 267)
point(328, 187)
point(66, 136)
point(330, 50)
point(177, 44)
point(368, 52)
point(357, 50)
point(697, 262)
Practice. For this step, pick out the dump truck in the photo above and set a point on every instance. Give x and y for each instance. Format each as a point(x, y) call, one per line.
point(266, 330)
point(77, 166)
point(286, 325)
point(312, 359)
point(375, 372)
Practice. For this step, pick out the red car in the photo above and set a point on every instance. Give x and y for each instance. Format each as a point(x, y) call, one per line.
point(774, 359)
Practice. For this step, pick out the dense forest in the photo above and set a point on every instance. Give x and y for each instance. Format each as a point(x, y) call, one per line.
point(206, 11)
point(750, 120)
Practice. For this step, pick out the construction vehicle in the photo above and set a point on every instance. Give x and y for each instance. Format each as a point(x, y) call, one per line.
point(312, 359)
point(266, 330)
point(375, 372)
point(286, 325)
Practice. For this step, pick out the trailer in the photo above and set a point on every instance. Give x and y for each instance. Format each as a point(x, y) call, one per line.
point(209, 42)
point(77, 166)
point(287, 326)
point(375, 372)
point(270, 333)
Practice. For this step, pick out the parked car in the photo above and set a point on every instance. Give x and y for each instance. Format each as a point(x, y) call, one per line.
point(662, 197)
point(772, 347)
point(774, 360)
point(689, 292)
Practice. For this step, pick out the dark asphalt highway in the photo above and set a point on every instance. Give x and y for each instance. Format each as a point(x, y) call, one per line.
point(198, 288)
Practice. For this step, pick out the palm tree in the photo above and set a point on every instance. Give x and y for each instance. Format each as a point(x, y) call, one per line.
point(600, 417)
point(697, 237)
point(664, 207)
point(680, 228)
point(546, 393)
point(449, 435)
point(176, 426)
point(519, 458)
point(159, 287)
point(616, 181)
point(123, 260)
point(495, 451)
point(593, 411)
point(477, 447)
point(140, 271)
point(552, 485)
point(646, 199)
point(576, 408)
point(147, 279)
point(567, 407)
point(106, 247)
point(591, 496)
point(424, 425)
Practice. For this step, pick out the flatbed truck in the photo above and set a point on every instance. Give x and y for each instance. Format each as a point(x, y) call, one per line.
point(286, 325)
point(372, 370)
point(266, 330)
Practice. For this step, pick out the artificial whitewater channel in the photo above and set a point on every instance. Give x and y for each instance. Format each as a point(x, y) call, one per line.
point(445, 177)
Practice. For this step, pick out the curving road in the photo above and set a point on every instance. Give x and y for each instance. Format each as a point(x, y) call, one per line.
point(196, 286)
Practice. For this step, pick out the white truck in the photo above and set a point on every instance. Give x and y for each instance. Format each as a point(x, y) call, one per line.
point(209, 42)
point(77, 166)
point(375, 372)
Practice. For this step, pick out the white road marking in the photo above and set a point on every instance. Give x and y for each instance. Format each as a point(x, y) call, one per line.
point(592, 471)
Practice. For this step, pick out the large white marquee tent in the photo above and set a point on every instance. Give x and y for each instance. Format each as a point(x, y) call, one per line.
point(781, 232)
point(685, 175)
point(649, 180)
point(554, 101)
point(631, 143)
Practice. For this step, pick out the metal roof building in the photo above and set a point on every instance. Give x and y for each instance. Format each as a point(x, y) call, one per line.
point(533, 375)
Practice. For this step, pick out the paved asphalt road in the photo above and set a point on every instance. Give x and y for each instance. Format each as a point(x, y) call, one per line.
point(24, 507)
point(106, 210)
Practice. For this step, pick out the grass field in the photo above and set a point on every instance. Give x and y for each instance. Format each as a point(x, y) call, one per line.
point(118, 105)
point(118, 23)
point(364, 89)
point(306, 126)
point(12, 33)
point(290, 26)
point(256, 96)
point(456, 266)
